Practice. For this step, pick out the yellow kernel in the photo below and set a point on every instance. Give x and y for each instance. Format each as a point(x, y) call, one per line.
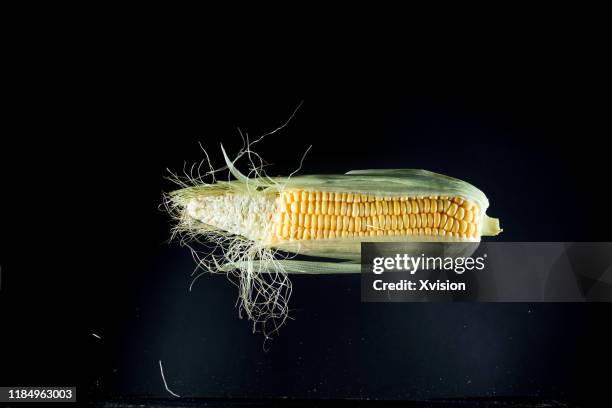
point(460, 213)
point(456, 226)
point(326, 221)
point(396, 208)
point(375, 222)
point(320, 221)
point(446, 205)
point(449, 224)
point(443, 219)
point(469, 216)
point(377, 208)
point(415, 207)
point(381, 222)
point(434, 205)
point(436, 222)
point(421, 205)
point(343, 208)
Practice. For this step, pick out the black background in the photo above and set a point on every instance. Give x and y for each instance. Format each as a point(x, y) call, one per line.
point(84, 244)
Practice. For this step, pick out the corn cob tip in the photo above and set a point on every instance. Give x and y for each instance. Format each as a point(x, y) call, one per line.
point(490, 226)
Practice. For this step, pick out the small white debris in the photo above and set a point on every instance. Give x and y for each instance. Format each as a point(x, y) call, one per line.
point(161, 369)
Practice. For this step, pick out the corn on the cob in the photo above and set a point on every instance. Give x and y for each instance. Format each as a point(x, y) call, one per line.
point(323, 215)
point(301, 215)
point(329, 215)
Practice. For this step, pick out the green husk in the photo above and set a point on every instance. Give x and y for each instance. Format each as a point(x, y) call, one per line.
point(306, 267)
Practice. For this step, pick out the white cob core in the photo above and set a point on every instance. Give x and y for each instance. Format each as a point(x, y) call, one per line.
point(249, 215)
